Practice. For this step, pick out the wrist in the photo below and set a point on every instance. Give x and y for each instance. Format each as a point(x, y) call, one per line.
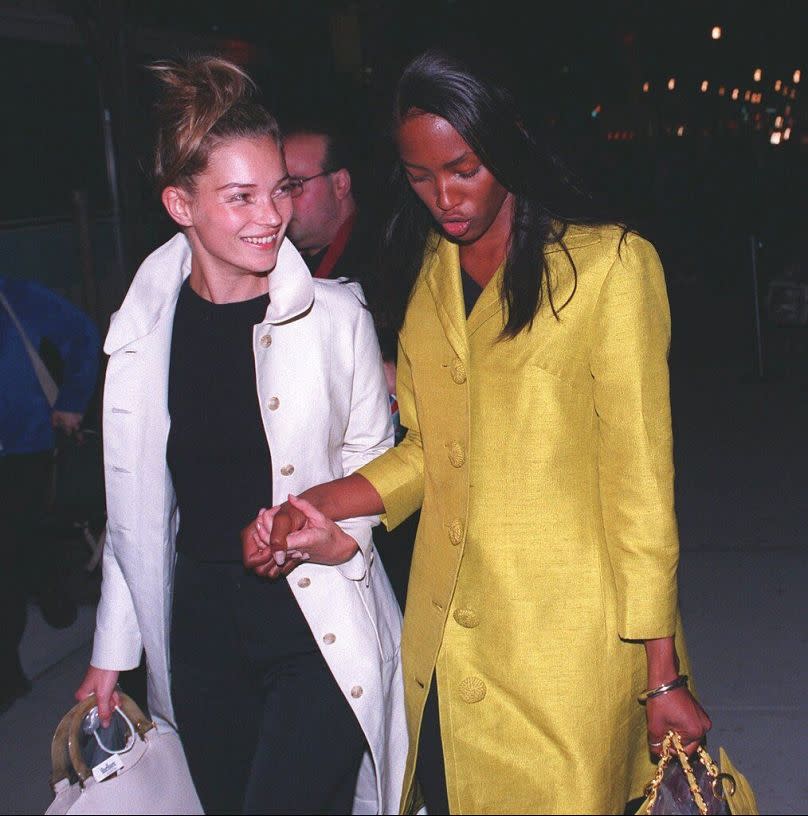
point(663, 662)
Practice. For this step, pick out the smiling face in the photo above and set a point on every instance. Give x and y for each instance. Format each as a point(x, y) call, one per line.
point(462, 194)
point(236, 215)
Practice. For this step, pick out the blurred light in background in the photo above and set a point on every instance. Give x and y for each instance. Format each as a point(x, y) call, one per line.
point(775, 137)
point(716, 33)
point(671, 83)
point(758, 74)
point(735, 93)
point(797, 76)
point(646, 86)
point(704, 86)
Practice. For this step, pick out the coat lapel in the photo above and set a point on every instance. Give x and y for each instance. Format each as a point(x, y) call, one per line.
point(153, 293)
point(443, 279)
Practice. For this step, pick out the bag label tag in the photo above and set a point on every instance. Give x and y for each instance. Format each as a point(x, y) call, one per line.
point(107, 768)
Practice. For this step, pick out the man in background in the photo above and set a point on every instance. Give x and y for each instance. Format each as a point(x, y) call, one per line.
point(55, 330)
point(325, 226)
point(336, 239)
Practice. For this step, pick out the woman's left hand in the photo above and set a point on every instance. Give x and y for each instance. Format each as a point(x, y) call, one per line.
point(679, 711)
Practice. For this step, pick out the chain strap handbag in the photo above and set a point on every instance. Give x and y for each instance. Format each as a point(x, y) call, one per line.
point(698, 786)
point(128, 767)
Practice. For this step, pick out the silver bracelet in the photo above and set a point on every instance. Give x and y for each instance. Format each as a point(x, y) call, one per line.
point(649, 694)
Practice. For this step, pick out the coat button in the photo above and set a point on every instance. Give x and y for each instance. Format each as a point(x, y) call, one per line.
point(466, 617)
point(455, 531)
point(304, 582)
point(266, 341)
point(457, 456)
point(329, 638)
point(458, 371)
point(357, 692)
point(287, 470)
point(472, 690)
point(273, 404)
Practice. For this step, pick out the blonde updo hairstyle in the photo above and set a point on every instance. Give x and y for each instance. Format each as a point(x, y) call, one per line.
point(205, 101)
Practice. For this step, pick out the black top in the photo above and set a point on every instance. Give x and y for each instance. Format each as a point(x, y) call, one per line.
point(217, 450)
point(471, 290)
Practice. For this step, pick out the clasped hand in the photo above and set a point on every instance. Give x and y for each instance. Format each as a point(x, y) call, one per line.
point(283, 537)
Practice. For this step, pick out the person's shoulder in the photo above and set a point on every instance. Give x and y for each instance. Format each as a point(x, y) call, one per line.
point(610, 241)
point(339, 293)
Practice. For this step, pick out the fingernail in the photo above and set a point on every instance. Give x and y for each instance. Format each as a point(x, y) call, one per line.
point(280, 557)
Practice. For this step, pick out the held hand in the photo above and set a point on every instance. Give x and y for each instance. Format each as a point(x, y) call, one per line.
point(320, 540)
point(102, 683)
point(676, 711)
point(264, 541)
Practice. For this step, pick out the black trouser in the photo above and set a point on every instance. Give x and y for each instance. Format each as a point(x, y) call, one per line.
point(24, 480)
point(430, 770)
point(265, 727)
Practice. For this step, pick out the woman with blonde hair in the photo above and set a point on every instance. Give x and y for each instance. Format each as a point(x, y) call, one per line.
point(233, 376)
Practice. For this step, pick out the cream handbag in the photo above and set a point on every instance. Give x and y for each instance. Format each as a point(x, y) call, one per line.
point(128, 767)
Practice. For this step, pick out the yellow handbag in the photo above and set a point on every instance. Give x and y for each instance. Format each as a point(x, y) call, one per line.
point(684, 786)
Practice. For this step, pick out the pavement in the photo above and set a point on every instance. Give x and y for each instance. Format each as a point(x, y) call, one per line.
point(742, 503)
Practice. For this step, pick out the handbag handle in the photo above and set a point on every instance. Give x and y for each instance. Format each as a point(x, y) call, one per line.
point(673, 740)
point(66, 758)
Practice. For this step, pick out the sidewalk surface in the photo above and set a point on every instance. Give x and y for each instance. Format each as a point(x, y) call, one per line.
point(742, 501)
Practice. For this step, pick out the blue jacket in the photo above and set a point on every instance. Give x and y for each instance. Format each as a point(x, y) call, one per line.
point(25, 416)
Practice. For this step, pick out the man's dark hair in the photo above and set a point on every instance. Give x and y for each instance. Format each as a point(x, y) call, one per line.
point(340, 146)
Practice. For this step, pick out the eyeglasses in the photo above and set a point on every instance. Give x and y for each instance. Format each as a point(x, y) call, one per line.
point(301, 180)
point(293, 186)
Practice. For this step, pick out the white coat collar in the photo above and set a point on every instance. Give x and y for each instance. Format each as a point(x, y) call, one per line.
point(156, 285)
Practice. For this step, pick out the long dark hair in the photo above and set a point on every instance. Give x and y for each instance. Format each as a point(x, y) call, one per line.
point(548, 199)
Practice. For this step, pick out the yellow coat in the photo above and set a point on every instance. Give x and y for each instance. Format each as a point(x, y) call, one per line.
point(547, 538)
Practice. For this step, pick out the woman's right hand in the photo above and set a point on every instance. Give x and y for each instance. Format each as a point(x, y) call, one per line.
point(102, 683)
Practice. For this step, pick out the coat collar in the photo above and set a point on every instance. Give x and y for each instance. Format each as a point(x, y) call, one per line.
point(443, 279)
point(153, 293)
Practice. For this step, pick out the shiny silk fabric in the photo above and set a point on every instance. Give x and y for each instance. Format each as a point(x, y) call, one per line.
point(547, 544)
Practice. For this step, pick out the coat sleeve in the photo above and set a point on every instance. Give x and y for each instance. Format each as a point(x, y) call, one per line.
point(398, 475)
point(368, 435)
point(118, 643)
point(79, 345)
point(631, 339)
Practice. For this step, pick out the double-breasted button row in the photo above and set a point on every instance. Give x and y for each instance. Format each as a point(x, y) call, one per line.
point(329, 638)
point(273, 403)
point(458, 371)
point(357, 692)
point(287, 470)
point(304, 582)
point(456, 531)
point(266, 341)
point(457, 454)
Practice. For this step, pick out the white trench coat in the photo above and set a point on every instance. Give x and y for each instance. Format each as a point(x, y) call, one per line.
point(325, 410)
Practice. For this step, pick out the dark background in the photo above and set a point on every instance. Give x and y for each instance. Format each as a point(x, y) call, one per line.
point(694, 171)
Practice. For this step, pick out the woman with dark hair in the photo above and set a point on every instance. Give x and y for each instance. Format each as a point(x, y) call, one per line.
point(533, 379)
point(234, 376)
